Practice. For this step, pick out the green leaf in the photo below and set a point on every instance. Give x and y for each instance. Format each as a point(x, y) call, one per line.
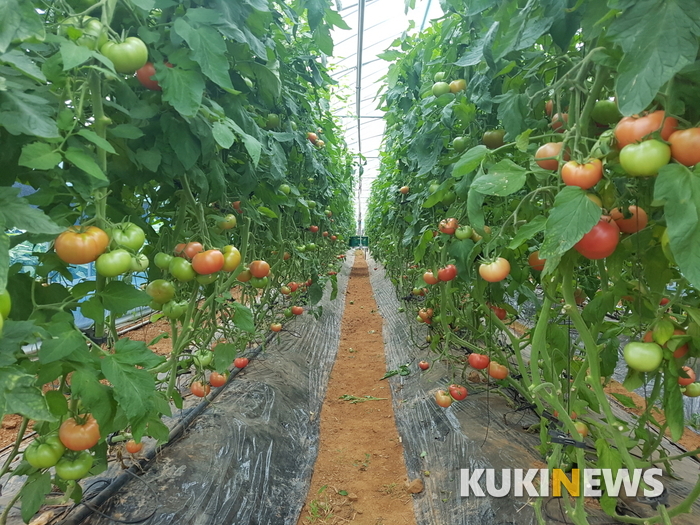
point(679, 189)
point(59, 348)
point(423, 244)
point(183, 89)
point(624, 400)
point(33, 493)
point(528, 231)
point(469, 161)
point(513, 108)
point(133, 387)
point(572, 216)
point(267, 212)
point(315, 293)
point(673, 405)
point(93, 309)
point(18, 213)
point(19, 395)
point(209, 51)
point(224, 354)
point(523, 140)
point(74, 55)
point(85, 162)
point(595, 310)
point(19, 20)
point(390, 55)
point(136, 353)
point(23, 63)
point(243, 318)
point(39, 156)
point(93, 395)
point(96, 140)
point(25, 113)
point(149, 159)
point(119, 297)
point(502, 179)
point(633, 381)
point(656, 48)
point(125, 131)
point(223, 135)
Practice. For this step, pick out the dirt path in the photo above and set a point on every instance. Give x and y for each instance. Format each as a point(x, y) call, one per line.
point(360, 475)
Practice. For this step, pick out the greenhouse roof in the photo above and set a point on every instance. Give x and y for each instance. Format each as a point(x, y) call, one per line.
point(360, 74)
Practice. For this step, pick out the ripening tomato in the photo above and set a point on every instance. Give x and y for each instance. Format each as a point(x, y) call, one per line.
point(447, 273)
point(132, 447)
point(458, 392)
point(581, 428)
point(192, 248)
point(259, 269)
point(423, 365)
point(685, 146)
point(478, 361)
point(240, 362)
point(161, 291)
point(493, 139)
point(429, 278)
point(297, 310)
point(312, 137)
point(560, 122)
point(208, 262)
point(200, 389)
point(313, 228)
point(458, 85)
point(276, 327)
point(494, 271)
point(448, 226)
point(232, 258)
point(404, 189)
point(78, 245)
point(216, 379)
point(633, 129)
point(79, 434)
point(497, 370)
point(179, 249)
point(600, 242)
point(584, 176)
point(227, 222)
point(443, 398)
point(535, 262)
point(637, 220)
point(685, 381)
point(550, 152)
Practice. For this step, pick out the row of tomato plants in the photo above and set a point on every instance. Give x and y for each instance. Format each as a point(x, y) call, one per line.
point(186, 145)
point(511, 180)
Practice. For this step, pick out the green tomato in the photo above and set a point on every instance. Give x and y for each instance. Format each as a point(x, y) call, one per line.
point(460, 144)
point(605, 112)
point(207, 279)
point(113, 263)
point(273, 121)
point(288, 313)
point(441, 88)
point(439, 76)
point(433, 187)
point(74, 465)
point(203, 358)
point(311, 204)
point(5, 304)
point(127, 235)
point(494, 139)
point(464, 232)
point(311, 247)
point(261, 282)
point(161, 291)
point(449, 198)
point(645, 159)
point(174, 309)
point(643, 357)
point(285, 188)
point(139, 263)
point(44, 452)
point(85, 31)
point(162, 260)
point(692, 390)
point(301, 249)
point(128, 56)
point(181, 269)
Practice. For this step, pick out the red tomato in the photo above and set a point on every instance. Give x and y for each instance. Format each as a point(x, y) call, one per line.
point(313, 228)
point(200, 389)
point(425, 313)
point(637, 221)
point(259, 269)
point(216, 379)
point(237, 206)
point(535, 262)
point(681, 350)
point(584, 176)
point(442, 398)
point(500, 312)
point(132, 447)
point(297, 310)
point(77, 435)
point(325, 234)
point(495, 271)
point(423, 365)
point(633, 129)
point(478, 361)
point(293, 286)
point(560, 122)
point(192, 248)
point(497, 370)
point(685, 381)
point(313, 138)
point(685, 146)
point(78, 245)
point(240, 362)
point(447, 273)
point(458, 392)
point(429, 278)
point(551, 149)
point(145, 76)
point(448, 226)
point(179, 249)
point(208, 262)
point(549, 107)
point(600, 242)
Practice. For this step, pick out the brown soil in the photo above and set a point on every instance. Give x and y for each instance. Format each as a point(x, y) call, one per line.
point(360, 475)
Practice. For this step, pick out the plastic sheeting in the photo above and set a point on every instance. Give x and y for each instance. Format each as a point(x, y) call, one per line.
point(248, 458)
point(482, 431)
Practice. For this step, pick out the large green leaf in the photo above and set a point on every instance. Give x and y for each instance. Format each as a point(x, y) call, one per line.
point(572, 217)
point(27, 113)
point(469, 161)
point(209, 51)
point(59, 348)
point(502, 179)
point(119, 297)
point(243, 318)
point(183, 89)
point(136, 353)
point(18, 213)
point(39, 156)
point(134, 388)
point(679, 189)
point(527, 231)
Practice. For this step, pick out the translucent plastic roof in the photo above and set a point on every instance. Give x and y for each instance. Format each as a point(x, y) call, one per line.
point(377, 23)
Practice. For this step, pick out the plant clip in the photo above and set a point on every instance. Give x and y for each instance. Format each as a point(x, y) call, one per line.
point(661, 499)
point(559, 438)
